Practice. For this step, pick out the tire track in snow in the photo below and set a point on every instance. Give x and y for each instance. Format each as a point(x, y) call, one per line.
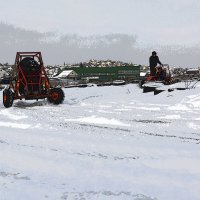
point(16, 176)
point(97, 155)
point(105, 194)
point(172, 136)
point(106, 156)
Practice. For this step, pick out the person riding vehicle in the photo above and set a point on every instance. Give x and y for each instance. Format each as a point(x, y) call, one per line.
point(153, 62)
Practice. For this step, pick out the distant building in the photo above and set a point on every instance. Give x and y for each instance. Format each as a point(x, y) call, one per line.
point(193, 72)
point(3, 73)
point(96, 74)
point(68, 74)
point(4, 77)
point(65, 78)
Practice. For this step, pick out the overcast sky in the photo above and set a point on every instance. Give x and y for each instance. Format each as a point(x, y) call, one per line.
point(152, 21)
point(126, 30)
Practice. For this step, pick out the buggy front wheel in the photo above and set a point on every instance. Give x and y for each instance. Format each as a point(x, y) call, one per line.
point(56, 96)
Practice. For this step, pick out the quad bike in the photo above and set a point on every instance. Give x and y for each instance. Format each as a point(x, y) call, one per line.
point(30, 81)
point(163, 76)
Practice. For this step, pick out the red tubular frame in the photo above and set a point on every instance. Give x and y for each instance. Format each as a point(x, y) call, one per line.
point(21, 78)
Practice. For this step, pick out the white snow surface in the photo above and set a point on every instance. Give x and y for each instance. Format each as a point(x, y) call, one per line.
point(105, 143)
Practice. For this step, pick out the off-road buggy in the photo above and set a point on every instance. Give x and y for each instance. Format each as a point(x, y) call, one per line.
point(30, 81)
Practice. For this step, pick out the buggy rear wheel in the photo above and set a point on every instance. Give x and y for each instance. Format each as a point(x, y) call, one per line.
point(56, 96)
point(8, 98)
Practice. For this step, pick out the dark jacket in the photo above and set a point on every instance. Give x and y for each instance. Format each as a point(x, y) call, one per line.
point(153, 61)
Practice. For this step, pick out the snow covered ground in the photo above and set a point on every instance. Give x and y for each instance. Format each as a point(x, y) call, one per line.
point(105, 143)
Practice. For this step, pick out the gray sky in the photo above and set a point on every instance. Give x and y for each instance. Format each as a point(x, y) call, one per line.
point(152, 21)
point(126, 30)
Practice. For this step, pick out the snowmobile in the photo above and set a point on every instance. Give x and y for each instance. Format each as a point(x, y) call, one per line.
point(30, 81)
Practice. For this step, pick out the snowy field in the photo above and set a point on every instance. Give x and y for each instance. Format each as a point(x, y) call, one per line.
point(102, 143)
